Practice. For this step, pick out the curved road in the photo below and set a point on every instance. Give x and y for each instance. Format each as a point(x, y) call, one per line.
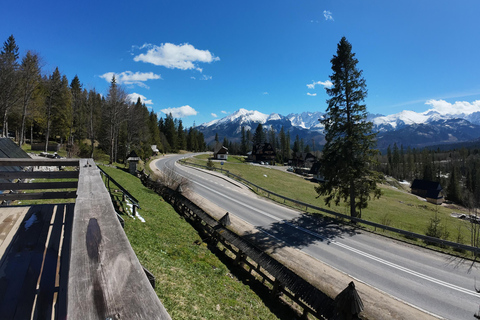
point(434, 282)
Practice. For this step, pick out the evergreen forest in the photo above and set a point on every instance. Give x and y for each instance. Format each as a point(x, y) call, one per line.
point(43, 108)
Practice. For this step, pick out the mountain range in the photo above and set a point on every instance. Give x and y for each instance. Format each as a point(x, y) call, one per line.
point(407, 128)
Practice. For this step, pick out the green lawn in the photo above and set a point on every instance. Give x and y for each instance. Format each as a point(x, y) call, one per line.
point(192, 282)
point(396, 208)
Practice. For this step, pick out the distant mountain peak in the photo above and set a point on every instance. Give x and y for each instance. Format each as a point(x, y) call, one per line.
point(406, 127)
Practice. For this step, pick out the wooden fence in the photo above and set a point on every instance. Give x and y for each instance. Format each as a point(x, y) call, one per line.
point(16, 175)
point(280, 279)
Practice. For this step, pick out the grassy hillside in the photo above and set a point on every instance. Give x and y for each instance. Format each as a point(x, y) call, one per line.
point(191, 282)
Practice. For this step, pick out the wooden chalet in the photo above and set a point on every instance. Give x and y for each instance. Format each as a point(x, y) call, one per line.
point(315, 172)
point(220, 152)
point(303, 160)
point(430, 190)
point(71, 258)
point(263, 152)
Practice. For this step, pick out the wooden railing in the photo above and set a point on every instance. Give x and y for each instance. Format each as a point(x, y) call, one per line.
point(16, 174)
point(100, 276)
point(106, 280)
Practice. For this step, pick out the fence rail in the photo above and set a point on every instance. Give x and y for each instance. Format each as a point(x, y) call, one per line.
point(126, 194)
point(12, 173)
point(446, 243)
point(281, 279)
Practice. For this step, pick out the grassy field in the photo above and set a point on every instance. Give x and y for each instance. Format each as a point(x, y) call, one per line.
point(191, 281)
point(396, 208)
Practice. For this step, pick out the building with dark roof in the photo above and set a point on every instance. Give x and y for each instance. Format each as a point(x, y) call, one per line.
point(430, 190)
point(220, 152)
point(263, 152)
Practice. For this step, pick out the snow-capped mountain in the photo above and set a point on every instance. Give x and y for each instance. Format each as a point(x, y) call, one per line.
point(407, 127)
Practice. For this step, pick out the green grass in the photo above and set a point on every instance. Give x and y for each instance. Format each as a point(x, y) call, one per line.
point(191, 281)
point(396, 208)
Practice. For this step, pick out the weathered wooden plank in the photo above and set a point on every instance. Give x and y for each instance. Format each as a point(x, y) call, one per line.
point(21, 264)
point(38, 195)
point(38, 175)
point(39, 185)
point(61, 310)
point(24, 162)
point(106, 279)
point(44, 304)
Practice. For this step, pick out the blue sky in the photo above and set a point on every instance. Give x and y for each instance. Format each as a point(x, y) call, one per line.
point(205, 59)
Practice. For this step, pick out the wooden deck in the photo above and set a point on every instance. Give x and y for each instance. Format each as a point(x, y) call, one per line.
point(71, 260)
point(34, 261)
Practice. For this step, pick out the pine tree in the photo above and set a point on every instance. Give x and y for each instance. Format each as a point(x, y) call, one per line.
point(259, 135)
point(9, 80)
point(171, 132)
point(53, 86)
point(244, 143)
point(114, 115)
point(30, 81)
point(181, 138)
point(349, 149)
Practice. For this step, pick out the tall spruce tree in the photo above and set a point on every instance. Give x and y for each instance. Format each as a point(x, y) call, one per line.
point(9, 80)
point(349, 153)
point(259, 136)
point(30, 80)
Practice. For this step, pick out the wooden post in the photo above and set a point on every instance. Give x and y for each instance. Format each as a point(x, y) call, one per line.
point(305, 314)
point(277, 289)
point(239, 257)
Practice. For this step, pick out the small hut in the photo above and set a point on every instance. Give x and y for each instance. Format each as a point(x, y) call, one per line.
point(132, 159)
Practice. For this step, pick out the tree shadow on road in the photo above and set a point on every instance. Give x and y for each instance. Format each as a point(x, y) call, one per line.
point(301, 232)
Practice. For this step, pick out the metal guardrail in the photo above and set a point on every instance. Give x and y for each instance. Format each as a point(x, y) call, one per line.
point(127, 194)
point(459, 246)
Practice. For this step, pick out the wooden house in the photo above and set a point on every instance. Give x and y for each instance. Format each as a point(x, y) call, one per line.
point(315, 171)
point(220, 152)
point(303, 160)
point(263, 152)
point(430, 190)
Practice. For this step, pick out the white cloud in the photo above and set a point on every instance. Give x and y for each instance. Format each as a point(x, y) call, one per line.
point(130, 78)
point(224, 112)
point(266, 93)
point(214, 115)
point(134, 97)
point(180, 112)
point(326, 84)
point(204, 77)
point(328, 15)
point(311, 94)
point(459, 107)
point(173, 56)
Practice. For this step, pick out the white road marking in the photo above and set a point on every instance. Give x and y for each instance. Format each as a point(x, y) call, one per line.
point(346, 247)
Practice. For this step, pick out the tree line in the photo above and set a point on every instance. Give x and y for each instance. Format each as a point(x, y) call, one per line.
point(457, 170)
point(46, 108)
point(281, 142)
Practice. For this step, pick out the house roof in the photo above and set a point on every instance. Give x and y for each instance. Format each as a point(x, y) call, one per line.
point(426, 185)
point(133, 156)
point(219, 148)
point(8, 149)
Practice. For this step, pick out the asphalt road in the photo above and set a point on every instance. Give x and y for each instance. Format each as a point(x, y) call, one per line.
point(431, 281)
